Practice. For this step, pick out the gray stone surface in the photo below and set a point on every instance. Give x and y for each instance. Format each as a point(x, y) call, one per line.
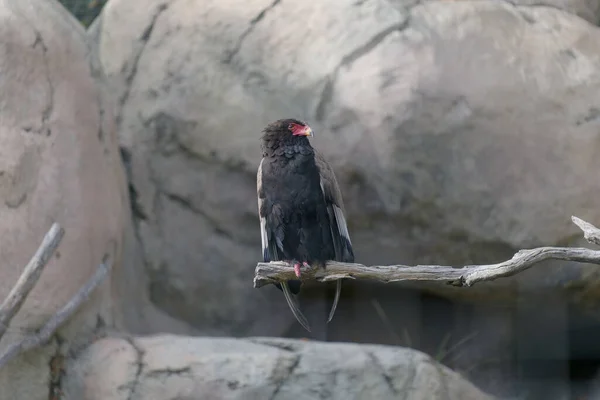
point(459, 131)
point(586, 9)
point(59, 162)
point(177, 367)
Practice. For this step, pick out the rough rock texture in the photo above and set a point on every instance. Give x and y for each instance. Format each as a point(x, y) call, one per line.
point(170, 367)
point(460, 131)
point(586, 9)
point(59, 162)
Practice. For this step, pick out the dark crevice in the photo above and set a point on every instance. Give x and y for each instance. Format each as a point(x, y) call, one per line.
point(57, 372)
point(536, 5)
point(388, 379)
point(139, 364)
point(349, 59)
point(169, 372)
point(526, 17)
point(520, 8)
point(144, 38)
point(409, 384)
point(592, 115)
point(136, 207)
point(288, 374)
point(287, 347)
point(100, 133)
point(248, 30)
point(97, 73)
point(100, 330)
point(187, 204)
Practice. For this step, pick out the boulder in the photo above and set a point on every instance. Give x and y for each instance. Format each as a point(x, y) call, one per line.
point(459, 131)
point(60, 162)
point(169, 367)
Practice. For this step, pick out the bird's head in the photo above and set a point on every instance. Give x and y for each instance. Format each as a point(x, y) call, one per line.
point(288, 130)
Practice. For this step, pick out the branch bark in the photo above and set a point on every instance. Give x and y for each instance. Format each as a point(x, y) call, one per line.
point(279, 271)
point(43, 335)
point(590, 232)
point(28, 279)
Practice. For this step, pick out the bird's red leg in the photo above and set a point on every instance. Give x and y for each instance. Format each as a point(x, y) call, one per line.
point(297, 269)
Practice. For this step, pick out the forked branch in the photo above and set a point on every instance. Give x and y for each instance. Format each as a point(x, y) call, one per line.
point(274, 272)
point(27, 281)
point(42, 336)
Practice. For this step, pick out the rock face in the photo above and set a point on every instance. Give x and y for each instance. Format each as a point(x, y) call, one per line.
point(59, 162)
point(586, 9)
point(168, 367)
point(459, 131)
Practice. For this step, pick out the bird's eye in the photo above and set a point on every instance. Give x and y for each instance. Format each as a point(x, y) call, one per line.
point(294, 128)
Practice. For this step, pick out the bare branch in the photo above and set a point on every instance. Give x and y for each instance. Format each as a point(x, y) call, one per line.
point(590, 232)
point(28, 279)
point(279, 271)
point(43, 335)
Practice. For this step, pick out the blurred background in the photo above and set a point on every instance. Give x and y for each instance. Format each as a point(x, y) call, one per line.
point(460, 132)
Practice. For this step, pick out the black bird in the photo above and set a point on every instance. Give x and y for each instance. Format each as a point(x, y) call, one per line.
point(300, 207)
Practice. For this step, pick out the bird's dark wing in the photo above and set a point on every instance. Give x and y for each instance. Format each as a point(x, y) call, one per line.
point(272, 234)
point(335, 208)
point(337, 221)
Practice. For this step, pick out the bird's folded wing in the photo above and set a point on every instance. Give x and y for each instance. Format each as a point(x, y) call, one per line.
point(335, 209)
point(337, 221)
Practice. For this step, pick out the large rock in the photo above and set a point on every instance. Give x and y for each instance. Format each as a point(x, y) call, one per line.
point(169, 367)
point(60, 162)
point(460, 131)
point(586, 9)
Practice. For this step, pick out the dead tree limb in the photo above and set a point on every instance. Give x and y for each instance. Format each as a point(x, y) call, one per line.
point(590, 232)
point(274, 272)
point(42, 336)
point(28, 279)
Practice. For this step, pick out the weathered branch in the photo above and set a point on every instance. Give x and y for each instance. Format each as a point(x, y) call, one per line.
point(590, 232)
point(28, 279)
point(274, 272)
point(42, 336)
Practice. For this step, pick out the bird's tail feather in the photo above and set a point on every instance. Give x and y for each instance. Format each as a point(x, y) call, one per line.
point(338, 290)
point(294, 306)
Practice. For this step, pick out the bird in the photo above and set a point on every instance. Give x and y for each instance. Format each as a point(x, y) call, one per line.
point(300, 208)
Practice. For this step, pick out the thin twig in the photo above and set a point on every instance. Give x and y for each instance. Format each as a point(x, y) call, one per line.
point(279, 271)
point(43, 335)
point(15, 299)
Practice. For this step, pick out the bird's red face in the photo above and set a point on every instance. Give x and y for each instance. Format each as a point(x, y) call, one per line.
point(300, 129)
